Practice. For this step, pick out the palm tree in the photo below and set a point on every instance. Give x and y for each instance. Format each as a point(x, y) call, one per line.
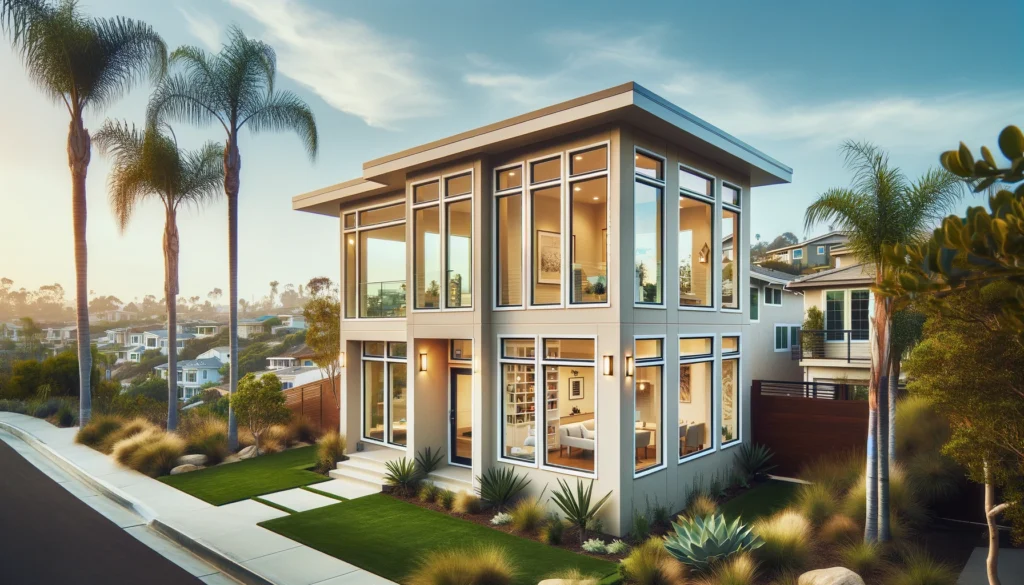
point(234, 88)
point(881, 208)
point(148, 164)
point(907, 331)
point(81, 62)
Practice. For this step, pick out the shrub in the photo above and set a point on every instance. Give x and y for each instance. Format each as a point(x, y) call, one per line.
point(47, 408)
point(577, 506)
point(839, 528)
point(838, 473)
point(66, 417)
point(477, 566)
point(787, 541)
point(428, 460)
point(816, 502)
point(920, 429)
point(659, 515)
point(920, 569)
point(527, 515)
point(701, 505)
point(99, 427)
point(302, 430)
point(595, 546)
point(446, 498)
point(501, 519)
point(466, 503)
point(934, 477)
point(641, 526)
point(649, 563)
point(903, 500)
point(551, 533)
point(402, 475)
point(701, 542)
point(330, 449)
point(16, 406)
point(429, 492)
point(863, 558)
point(573, 576)
point(277, 438)
point(205, 434)
point(753, 461)
point(158, 456)
point(617, 547)
point(500, 486)
point(128, 430)
point(740, 570)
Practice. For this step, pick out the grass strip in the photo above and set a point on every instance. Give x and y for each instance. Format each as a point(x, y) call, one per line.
point(325, 494)
point(273, 505)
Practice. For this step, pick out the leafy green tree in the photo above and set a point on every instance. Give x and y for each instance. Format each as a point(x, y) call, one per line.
point(323, 332)
point(880, 209)
point(972, 369)
point(147, 164)
point(259, 403)
point(233, 88)
point(81, 63)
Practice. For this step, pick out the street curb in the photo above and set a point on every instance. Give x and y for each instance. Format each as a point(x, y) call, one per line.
point(209, 554)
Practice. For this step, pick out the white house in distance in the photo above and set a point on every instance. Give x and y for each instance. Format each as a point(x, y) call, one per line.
point(11, 331)
point(776, 316)
point(222, 353)
point(201, 329)
point(112, 315)
point(494, 307)
point(289, 324)
point(157, 339)
point(251, 327)
point(193, 374)
point(60, 336)
point(300, 356)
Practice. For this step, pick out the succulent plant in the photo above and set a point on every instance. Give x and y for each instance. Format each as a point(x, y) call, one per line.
point(702, 541)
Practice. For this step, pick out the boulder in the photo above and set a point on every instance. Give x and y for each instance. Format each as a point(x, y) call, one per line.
point(185, 468)
point(248, 452)
point(197, 459)
point(830, 576)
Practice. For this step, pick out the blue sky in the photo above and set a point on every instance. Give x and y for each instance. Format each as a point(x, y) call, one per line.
point(793, 79)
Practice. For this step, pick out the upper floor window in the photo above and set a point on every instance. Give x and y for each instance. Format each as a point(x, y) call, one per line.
point(648, 228)
point(860, 300)
point(508, 235)
point(696, 239)
point(730, 246)
point(443, 243)
point(821, 250)
point(773, 296)
point(755, 308)
point(798, 254)
point(374, 262)
point(588, 225)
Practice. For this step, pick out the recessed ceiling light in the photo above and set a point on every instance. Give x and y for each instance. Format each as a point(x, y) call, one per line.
point(511, 173)
point(351, 241)
point(578, 189)
point(596, 198)
point(579, 157)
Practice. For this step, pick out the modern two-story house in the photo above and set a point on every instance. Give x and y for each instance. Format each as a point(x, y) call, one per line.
point(551, 292)
point(193, 375)
point(815, 252)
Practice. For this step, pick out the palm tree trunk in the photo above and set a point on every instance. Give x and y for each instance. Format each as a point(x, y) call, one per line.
point(991, 511)
point(79, 153)
point(171, 251)
point(871, 480)
point(232, 167)
point(894, 387)
point(883, 461)
point(879, 367)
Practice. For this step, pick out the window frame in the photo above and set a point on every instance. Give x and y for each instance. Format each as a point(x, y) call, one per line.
point(736, 242)
point(355, 232)
point(541, 397)
point(870, 299)
point(664, 406)
point(715, 248)
point(442, 202)
point(772, 303)
point(661, 184)
point(821, 250)
point(567, 182)
point(525, 277)
point(720, 359)
point(711, 358)
point(500, 361)
point(387, 361)
point(797, 251)
point(755, 303)
point(789, 336)
point(529, 189)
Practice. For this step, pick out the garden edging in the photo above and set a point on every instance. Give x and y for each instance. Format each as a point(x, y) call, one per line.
point(203, 551)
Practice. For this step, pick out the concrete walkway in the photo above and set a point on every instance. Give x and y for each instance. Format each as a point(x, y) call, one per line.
point(225, 536)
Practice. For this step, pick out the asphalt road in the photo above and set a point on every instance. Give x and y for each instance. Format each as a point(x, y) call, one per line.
point(47, 535)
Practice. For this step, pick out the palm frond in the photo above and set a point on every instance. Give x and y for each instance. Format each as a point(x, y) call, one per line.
point(281, 111)
point(189, 97)
point(130, 51)
point(202, 175)
point(934, 195)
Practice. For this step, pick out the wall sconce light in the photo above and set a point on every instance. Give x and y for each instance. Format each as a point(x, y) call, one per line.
point(608, 365)
point(341, 359)
point(423, 362)
point(629, 366)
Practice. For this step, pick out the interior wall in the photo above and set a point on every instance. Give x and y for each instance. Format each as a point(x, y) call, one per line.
point(699, 221)
point(547, 218)
point(586, 404)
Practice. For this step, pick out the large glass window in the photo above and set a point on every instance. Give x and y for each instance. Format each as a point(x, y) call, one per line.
point(730, 259)
point(460, 254)
point(730, 390)
point(374, 255)
point(373, 400)
point(860, 300)
point(385, 393)
point(350, 274)
point(547, 245)
point(427, 264)
point(397, 389)
point(519, 438)
point(569, 414)
point(589, 217)
point(696, 245)
point(648, 404)
point(508, 232)
point(834, 314)
point(696, 399)
point(648, 195)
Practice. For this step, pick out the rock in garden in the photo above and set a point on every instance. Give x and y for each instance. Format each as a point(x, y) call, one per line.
point(831, 576)
point(248, 452)
point(197, 459)
point(185, 468)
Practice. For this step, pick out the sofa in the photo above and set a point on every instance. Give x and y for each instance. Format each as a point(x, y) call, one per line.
point(579, 435)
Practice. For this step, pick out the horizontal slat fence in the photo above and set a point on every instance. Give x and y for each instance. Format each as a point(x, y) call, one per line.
point(316, 402)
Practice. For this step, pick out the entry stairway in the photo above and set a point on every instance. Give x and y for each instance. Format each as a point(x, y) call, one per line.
point(368, 468)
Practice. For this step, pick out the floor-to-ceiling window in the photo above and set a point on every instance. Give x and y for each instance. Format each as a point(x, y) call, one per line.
point(385, 392)
point(835, 315)
point(731, 399)
point(730, 246)
point(696, 239)
point(508, 232)
point(588, 218)
point(374, 241)
point(648, 403)
point(860, 301)
point(427, 245)
point(518, 436)
point(459, 242)
point(546, 230)
point(569, 403)
point(648, 226)
point(696, 397)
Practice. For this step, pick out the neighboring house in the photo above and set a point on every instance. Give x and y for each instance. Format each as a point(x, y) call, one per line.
point(251, 327)
point(113, 315)
point(60, 336)
point(552, 292)
point(201, 329)
point(776, 314)
point(157, 339)
point(300, 356)
point(130, 353)
point(294, 375)
point(289, 324)
point(11, 331)
point(119, 336)
point(813, 253)
point(192, 374)
point(222, 354)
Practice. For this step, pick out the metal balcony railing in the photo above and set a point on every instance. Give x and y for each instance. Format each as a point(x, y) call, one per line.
point(848, 345)
point(382, 300)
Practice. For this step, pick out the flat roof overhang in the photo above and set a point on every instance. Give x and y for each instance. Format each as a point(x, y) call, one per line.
point(629, 103)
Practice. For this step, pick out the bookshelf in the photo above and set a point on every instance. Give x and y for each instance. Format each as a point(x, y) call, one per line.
point(551, 405)
point(520, 400)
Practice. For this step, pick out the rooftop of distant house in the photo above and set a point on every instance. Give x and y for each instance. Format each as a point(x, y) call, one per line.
point(203, 364)
point(832, 234)
point(770, 276)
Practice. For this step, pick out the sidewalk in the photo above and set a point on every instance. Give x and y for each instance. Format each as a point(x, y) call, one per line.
point(225, 536)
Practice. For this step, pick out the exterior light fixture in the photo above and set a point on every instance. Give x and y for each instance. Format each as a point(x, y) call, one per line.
point(629, 366)
point(608, 365)
point(423, 362)
point(341, 359)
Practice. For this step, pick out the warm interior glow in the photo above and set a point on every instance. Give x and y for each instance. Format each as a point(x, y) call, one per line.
point(423, 362)
point(608, 365)
point(629, 365)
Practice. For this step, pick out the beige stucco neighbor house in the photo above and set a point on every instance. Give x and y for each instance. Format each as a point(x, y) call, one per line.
point(551, 293)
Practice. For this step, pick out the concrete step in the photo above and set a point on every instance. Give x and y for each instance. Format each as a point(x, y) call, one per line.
point(363, 476)
point(452, 478)
point(368, 465)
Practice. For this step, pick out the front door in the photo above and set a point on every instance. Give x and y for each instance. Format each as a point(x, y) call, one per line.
point(460, 416)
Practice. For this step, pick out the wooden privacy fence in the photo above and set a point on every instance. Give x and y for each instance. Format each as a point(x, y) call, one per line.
point(316, 402)
point(803, 421)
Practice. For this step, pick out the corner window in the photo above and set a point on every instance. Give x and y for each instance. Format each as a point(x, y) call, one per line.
point(648, 222)
point(374, 258)
point(648, 404)
point(731, 399)
point(696, 399)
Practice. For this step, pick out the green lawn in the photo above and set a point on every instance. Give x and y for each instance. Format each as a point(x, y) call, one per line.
point(763, 500)
point(265, 474)
point(387, 536)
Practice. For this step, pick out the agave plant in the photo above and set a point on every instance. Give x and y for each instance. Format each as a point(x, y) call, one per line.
point(402, 475)
point(754, 461)
point(501, 486)
point(428, 460)
point(702, 542)
point(577, 505)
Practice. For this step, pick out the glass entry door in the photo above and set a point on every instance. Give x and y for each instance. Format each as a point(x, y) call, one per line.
point(460, 416)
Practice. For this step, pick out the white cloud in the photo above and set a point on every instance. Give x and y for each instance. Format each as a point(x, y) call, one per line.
point(759, 108)
point(350, 65)
point(204, 28)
